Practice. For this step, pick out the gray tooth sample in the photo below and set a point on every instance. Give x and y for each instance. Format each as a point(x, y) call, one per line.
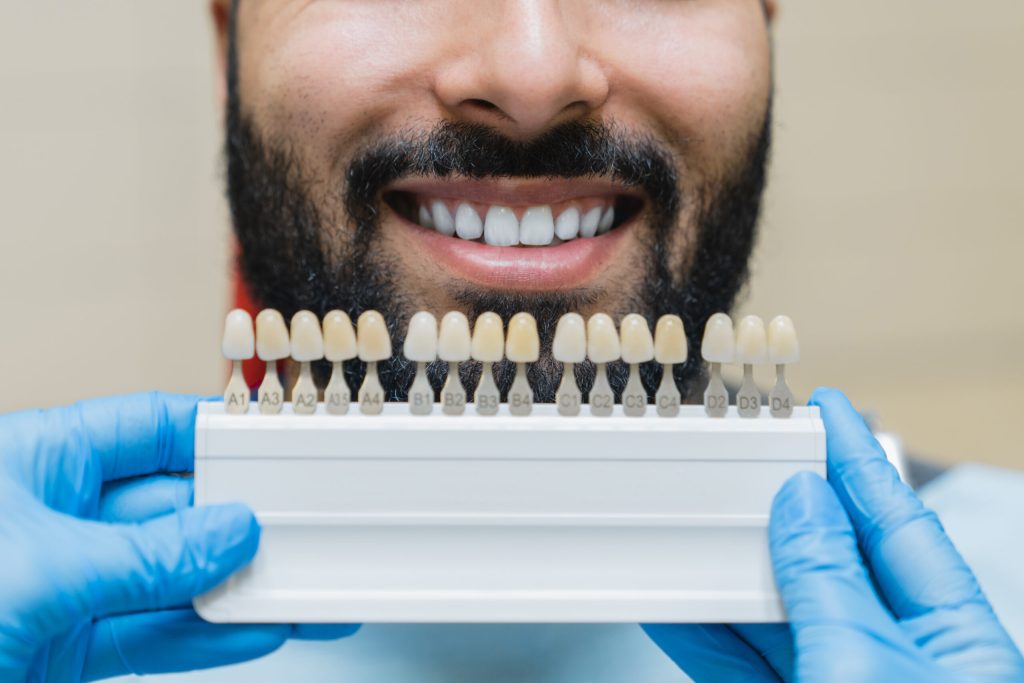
point(374, 345)
point(603, 347)
point(670, 349)
point(272, 345)
point(339, 346)
point(637, 347)
point(454, 346)
point(751, 350)
point(488, 347)
point(421, 348)
point(522, 346)
point(718, 346)
point(569, 348)
point(238, 344)
point(783, 350)
point(307, 346)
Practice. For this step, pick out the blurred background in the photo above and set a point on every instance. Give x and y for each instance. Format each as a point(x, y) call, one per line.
point(892, 236)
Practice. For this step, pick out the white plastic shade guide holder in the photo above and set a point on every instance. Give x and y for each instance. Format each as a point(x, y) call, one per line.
point(502, 518)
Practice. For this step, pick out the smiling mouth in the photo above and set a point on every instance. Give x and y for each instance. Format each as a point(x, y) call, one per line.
point(514, 219)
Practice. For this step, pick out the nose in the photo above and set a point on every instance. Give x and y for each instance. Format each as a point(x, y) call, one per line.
point(523, 71)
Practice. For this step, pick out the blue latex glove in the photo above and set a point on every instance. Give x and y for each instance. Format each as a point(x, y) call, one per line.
point(101, 554)
point(874, 589)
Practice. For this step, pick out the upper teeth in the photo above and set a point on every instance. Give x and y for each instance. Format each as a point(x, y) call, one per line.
point(501, 227)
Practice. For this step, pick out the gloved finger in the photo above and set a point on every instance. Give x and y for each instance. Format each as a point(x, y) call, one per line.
point(323, 631)
point(774, 642)
point(142, 498)
point(915, 564)
point(818, 568)
point(711, 652)
point(174, 640)
point(163, 562)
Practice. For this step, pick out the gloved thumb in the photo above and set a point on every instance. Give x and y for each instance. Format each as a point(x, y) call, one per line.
point(165, 561)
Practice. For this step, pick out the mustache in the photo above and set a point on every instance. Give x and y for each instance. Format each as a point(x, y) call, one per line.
point(574, 149)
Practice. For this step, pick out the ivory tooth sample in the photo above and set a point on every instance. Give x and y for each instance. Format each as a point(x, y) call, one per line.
point(374, 344)
point(272, 345)
point(602, 348)
point(783, 350)
point(670, 348)
point(637, 347)
point(751, 350)
point(339, 346)
point(454, 346)
point(307, 346)
point(238, 344)
point(421, 348)
point(718, 346)
point(488, 347)
point(569, 348)
point(522, 346)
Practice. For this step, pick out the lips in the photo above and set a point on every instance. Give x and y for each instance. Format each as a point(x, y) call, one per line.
point(547, 234)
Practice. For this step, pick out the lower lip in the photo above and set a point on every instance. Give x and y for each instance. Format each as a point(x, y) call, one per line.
point(568, 265)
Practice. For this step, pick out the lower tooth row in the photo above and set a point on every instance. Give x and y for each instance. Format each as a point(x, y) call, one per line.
point(501, 228)
point(575, 341)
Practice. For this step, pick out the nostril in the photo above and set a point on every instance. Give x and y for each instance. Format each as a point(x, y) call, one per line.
point(483, 105)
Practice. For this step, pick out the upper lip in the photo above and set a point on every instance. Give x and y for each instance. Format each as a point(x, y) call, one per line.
point(513, 192)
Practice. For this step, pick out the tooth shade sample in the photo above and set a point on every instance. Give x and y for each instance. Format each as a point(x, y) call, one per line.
point(454, 342)
point(523, 344)
point(670, 345)
point(307, 337)
point(339, 337)
point(607, 218)
point(442, 217)
point(751, 341)
point(567, 226)
point(239, 342)
point(501, 227)
point(421, 339)
point(537, 227)
point(635, 336)
point(488, 338)
point(468, 225)
point(588, 224)
point(373, 339)
point(783, 347)
point(426, 220)
point(570, 344)
point(719, 345)
point(602, 339)
point(271, 336)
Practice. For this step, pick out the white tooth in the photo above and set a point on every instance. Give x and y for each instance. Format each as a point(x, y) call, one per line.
point(783, 346)
point(239, 341)
point(501, 227)
point(751, 341)
point(537, 227)
point(372, 337)
point(426, 220)
point(568, 224)
point(443, 221)
point(272, 341)
point(602, 339)
point(590, 221)
point(522, 345)
point(570, 343)
point(454, 339)
point(635, 339)
point(421, 339)
point(339, 337)
point(607, 218)
point(488, 338)
point(670, 345)
point(719, 345)
point(468, 225)
point(307, 337)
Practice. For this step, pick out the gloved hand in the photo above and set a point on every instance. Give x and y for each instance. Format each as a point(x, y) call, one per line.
point(874, 589)
point(100, 553)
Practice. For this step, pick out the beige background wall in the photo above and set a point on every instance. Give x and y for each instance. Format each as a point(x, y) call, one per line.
point(893, 234)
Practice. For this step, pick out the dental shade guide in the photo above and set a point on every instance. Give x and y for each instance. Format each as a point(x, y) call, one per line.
point(272, 345)
point(569, 347)
point(339, 346)
point(238, 344)
point(603, 347)
point(522, 346)
point(488, 347)
point(718, 347)
point(670, 349)
point(521, 513)
point(374, 344)
point(454, 346)
point(421, 348)
point(783, 350)
point(307, 346)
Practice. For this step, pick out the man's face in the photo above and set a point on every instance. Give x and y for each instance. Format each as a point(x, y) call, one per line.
point(363, 132)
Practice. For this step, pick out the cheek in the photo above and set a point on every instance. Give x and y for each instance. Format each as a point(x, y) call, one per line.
point(703, 76)
point(330, 73)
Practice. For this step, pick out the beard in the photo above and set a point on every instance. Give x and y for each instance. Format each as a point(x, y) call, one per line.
point(290, 257)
